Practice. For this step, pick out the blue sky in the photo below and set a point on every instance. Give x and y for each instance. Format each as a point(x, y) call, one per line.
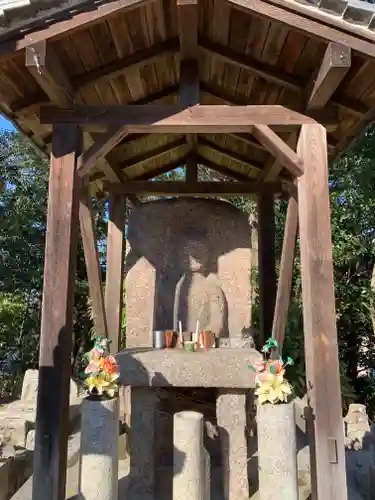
point(5, 124)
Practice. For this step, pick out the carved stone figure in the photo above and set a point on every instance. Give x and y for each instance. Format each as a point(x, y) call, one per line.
point(199, 296)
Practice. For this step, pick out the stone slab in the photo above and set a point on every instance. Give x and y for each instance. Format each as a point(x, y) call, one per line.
point(226, 368)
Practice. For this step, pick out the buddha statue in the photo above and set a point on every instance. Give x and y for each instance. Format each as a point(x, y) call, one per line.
point(198, 295)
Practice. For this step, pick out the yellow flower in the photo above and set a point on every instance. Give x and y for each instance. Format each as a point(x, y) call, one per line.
point(272, 388)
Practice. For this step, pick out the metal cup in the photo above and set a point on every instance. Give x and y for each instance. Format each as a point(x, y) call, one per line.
point(159, 339)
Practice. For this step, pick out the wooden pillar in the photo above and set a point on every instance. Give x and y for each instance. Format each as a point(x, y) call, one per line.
point(94, 274)
point(115, 268)
point(267, 266)
point(52, 417)
point(284, 286)
point(321, 350)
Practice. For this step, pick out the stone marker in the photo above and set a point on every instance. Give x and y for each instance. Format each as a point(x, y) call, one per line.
point(189, 461)
point(277, 452)
point(99, 449)
point(231, 421)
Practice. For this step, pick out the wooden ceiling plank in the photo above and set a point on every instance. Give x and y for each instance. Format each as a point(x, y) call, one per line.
point(305, 25)
point(279, 149)
point(178, 188)
point(187, 13)
point(335, 65)
point(77, 21)
point(176, 119)
point(163, 169)
point(227, 172)
point(44, 65)
point(152, 155)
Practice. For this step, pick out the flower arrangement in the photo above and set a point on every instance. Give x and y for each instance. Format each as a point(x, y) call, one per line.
point(271, 386)
point(101, 372)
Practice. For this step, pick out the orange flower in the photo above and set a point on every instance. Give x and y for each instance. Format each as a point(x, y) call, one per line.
point(109, 365)
point(274, 366)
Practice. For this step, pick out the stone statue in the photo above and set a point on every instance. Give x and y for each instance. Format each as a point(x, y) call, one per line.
point(199, 296)
point(357, 428)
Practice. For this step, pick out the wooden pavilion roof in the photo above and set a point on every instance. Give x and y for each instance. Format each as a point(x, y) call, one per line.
point(248, 51)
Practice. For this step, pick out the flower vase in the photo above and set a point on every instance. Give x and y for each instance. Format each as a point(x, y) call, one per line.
point(277, 452)
point(99, 448)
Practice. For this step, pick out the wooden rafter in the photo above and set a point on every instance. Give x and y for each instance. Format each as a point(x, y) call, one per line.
point(224, 171)
point(43, 63)
point(283, 79)
point(163, 119)
point(279, 149)
point(178, 188)
point(335, 65)
point(187, 14)
point(77, 21)
point(154, 154)
point(304, 25)
point(163, 169)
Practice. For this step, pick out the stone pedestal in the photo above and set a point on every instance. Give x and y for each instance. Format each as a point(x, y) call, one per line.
point(277, 452)
point(189, 461)
point(231, 421)
point(99, 449)
point(142, 433)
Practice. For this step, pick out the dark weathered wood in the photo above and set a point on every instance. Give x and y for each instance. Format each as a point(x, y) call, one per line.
point(165, 118)
point(191, 174)
point(175, 188)
point(52, 417)
point(304, 24)
point(94, 273)
point(321, 349)
point(335, 65)
point(279, 149)
point(284, 285)
point(187, 13)
point(266, 262)
point(99, 149)
point(75, 22)
point(114, 285)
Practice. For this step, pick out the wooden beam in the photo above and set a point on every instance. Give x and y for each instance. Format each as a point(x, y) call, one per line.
point(101, 147)
point(94, 273)
point(335, 65)
point(131, 62)
point(271, 74)
point(164, 119)
point(187, 14)
point(178, 188)
point(284, 285)
point(279, 149)
point(273, 166)
point(304, 25)
point(163, 169)
point(52, 416)
point(76, 22)
point(267, 264)
point(257, 167)
point(155, 154)
point(226, 172)
point(320, 334)
point(114, 287)
point(44, 65)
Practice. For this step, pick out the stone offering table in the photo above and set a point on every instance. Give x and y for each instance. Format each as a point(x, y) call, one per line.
point(226, 370)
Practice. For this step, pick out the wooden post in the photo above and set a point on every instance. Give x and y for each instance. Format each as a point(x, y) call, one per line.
point(115, 268)
point(94, 274)
point(52, 418)
point(284, 286)
point(267, 267)
point(321, 350)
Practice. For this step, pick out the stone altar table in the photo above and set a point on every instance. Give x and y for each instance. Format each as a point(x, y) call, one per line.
point(146, 369)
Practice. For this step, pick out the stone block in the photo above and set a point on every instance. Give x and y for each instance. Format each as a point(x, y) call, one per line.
point(179, 368)
point(231, 420)
point(141, 440)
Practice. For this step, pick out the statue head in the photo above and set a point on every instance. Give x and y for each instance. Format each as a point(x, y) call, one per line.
point(195, 251)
